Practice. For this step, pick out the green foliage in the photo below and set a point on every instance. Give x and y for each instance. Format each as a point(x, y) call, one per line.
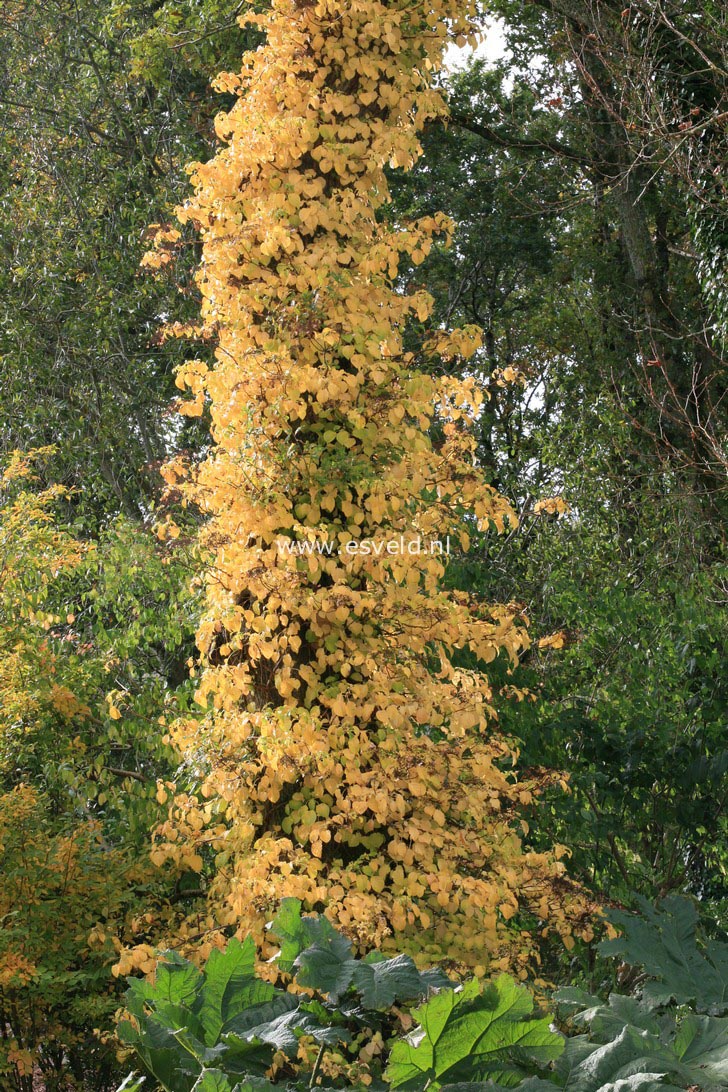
point(60, 879)
point(227, 1025)
point(93, 637)
point(102, 106)
point(227, 1029)
point(664, 943)
point(632, 706)
point(628, 1039)
point(472, 1034)
point(656, 1030)
point(113, 635)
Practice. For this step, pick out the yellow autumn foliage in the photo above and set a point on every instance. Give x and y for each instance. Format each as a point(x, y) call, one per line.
point(344, 756)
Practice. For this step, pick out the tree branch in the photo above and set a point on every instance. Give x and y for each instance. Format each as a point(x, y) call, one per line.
point(504, 139)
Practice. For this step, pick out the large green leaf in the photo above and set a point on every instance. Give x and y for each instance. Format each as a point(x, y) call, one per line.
point(181, 1016)
point(469, 1035)
point(293, 931)
point(322, 960)
point(176, 980)
point(260, 1012)
point(284, 1032)
point(606, 1021)
point(701, 1045)
point(158, 1049)
point(638, 1082)
point(631, 1054)
point(327, 966)
point(212, 1080)
point(634, 1037)
point(385, 981)
point(663, 941)
point(229, 976)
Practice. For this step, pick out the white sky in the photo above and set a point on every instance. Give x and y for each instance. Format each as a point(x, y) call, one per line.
point(490, 48)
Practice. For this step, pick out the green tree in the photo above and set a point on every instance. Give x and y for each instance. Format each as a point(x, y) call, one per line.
point(93, 640)
point(630, 696)
point(101, 107)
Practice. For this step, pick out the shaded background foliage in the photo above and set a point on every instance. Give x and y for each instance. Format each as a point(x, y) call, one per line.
point(602, 357)
point(101, 107)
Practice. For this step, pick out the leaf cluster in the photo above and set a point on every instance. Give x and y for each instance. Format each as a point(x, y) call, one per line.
point(227, 1029)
